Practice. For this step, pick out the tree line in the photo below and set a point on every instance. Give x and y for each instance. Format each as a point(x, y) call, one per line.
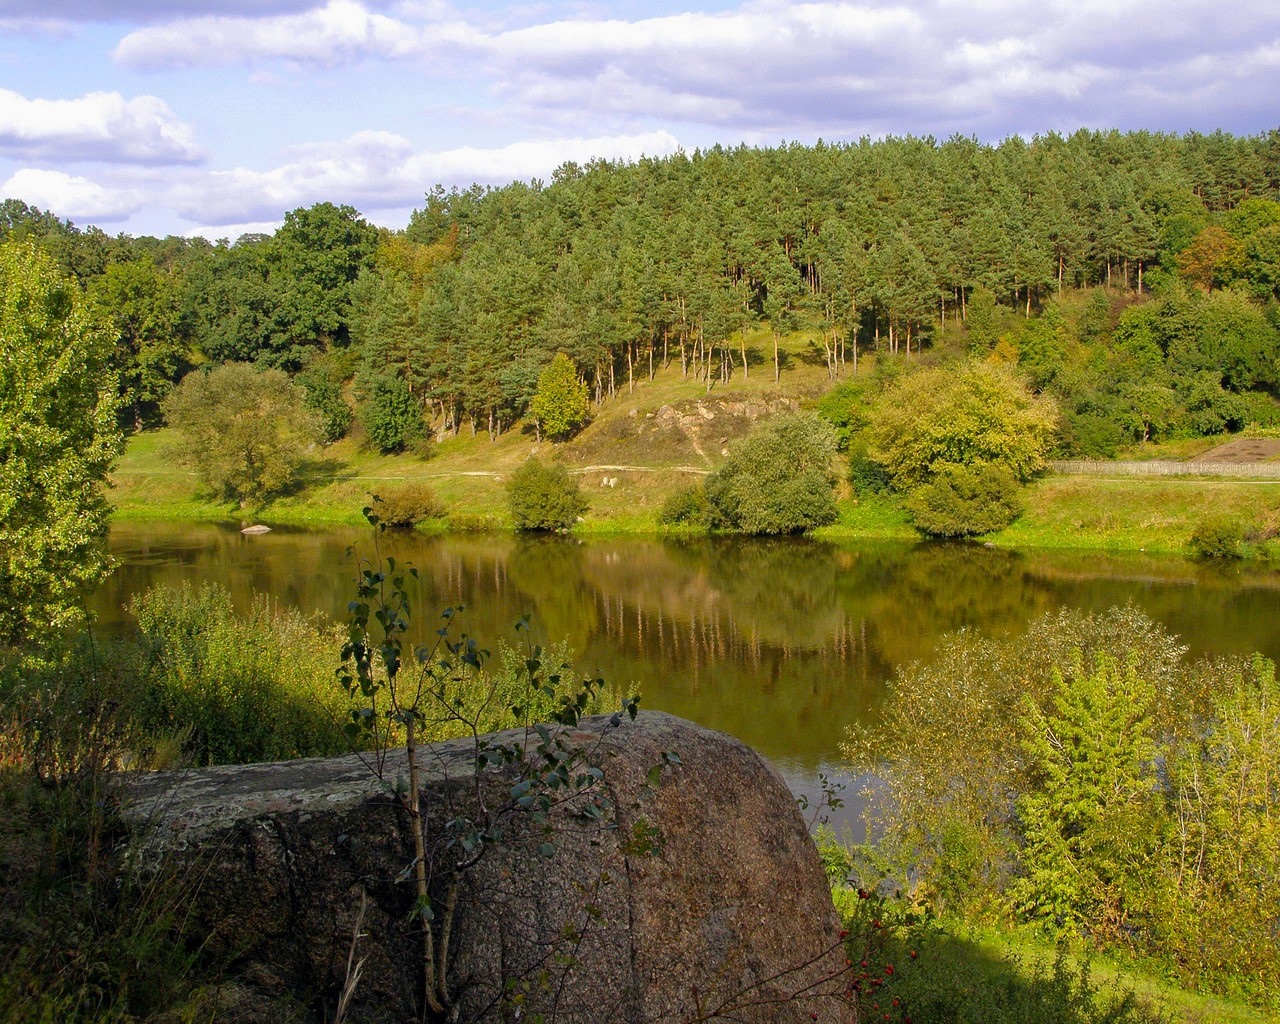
point(891, 247)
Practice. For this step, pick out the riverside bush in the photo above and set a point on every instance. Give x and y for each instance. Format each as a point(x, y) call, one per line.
point(777, 480)
point(1083, 776)
point(407, 506)
point(964, 501)
point(252, 687)
point(685, 507)
point(543, 497)
point(1217, 537)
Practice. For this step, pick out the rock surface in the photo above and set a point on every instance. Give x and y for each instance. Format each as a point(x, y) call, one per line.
point(730, 919)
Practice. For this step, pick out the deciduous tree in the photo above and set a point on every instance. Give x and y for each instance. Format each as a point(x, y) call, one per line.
point(245, 431)
point(58, 439)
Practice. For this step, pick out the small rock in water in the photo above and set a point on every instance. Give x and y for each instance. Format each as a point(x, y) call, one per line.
point(259, 528)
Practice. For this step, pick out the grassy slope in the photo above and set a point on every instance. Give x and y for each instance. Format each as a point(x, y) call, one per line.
point(667, 452)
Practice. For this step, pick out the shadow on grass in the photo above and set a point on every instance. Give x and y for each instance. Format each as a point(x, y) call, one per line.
point(957, 981)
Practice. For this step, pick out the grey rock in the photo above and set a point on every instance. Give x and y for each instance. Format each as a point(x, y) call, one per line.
point(730, 919)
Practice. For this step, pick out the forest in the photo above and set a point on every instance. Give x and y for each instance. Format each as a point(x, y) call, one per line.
point(1132, 276)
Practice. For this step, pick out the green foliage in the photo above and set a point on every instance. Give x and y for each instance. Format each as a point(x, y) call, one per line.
point(844, 407)
point(1215, 913)
point(685, 507)
point(407, 505)
point(560, 404)
point(391, 415)
point(944, 747)
point(142, 305)
point(321, 382)
point(1089, 819)
point(240, 688)
point(544, 497)
point(1217, 537)
point(961, 501)
point(58, 439)
point(776, 480)
point(983, 321)
point(970, 415)
point(1131, 808)
point(245, 431)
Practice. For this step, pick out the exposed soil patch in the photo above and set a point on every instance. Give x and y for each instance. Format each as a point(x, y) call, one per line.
point(1245, 450)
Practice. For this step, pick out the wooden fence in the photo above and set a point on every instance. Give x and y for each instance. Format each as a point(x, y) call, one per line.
point(1253, 470)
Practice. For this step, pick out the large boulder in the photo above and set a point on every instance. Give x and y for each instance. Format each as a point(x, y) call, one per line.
point(706, 901)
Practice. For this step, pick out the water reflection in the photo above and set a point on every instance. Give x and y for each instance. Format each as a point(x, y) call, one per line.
point(782, 643)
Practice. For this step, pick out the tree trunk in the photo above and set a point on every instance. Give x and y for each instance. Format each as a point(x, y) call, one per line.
point(777, 372)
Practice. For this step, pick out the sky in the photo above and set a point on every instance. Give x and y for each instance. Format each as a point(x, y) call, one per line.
point(216, 118)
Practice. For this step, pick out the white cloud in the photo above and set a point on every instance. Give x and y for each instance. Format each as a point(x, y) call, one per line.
point(341, 32)
point(98, 126)
point(376, 171)
point(71, 196)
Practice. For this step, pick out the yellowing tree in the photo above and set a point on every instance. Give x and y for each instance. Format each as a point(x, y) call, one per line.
point(980, 414)
point(560, 405)
point(58, 439)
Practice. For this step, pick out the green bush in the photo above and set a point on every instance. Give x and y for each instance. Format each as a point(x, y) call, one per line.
point(543, 497)
point(777, 480)
point(1084, 777)
point(685, 507)
point(968, 415)
point(322, 388)
point(471, 522)
point(391, 416)
point(256, 687)
point(1217, 537)
point(407, 506)
point(963, 501)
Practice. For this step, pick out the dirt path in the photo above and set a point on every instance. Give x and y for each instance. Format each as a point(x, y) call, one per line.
point(1243, 451)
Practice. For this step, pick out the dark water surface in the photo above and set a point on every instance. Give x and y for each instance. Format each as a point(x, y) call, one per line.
point(782, 643)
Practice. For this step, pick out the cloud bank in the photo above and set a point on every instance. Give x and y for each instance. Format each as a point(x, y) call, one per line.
point(98, 126)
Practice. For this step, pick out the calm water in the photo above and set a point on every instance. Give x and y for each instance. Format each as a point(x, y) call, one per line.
point(782, 643)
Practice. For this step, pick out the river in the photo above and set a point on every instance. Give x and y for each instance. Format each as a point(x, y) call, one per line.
point(782, 643)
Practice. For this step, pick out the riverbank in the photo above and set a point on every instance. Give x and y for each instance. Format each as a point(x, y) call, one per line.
point(1094, 513)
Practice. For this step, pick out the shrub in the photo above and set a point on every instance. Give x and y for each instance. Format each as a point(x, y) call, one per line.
point(685, 507)
point(777, 480)
point(245, 688)
point(543, 497)
point(471, 522)
point(963, 501)
point(391, 415)
point(1217, 537)
point(407, 506)
point(322, 388)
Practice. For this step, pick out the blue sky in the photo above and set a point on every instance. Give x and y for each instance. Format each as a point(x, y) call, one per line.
point(158, 116)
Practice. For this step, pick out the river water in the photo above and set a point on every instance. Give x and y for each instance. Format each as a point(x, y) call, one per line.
point(782, 643)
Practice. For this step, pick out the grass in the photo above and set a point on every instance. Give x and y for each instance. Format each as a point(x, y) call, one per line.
point(1155, 515)
point(1029, 955)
